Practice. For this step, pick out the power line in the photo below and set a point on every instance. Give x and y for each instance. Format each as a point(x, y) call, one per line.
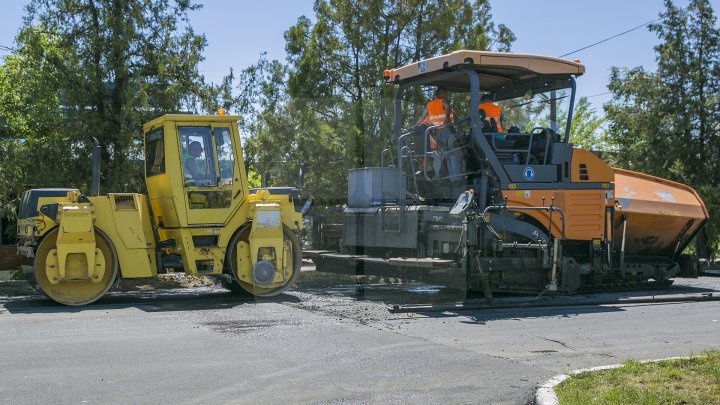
point(599, 94)
point(612, 37)
point(618, 35)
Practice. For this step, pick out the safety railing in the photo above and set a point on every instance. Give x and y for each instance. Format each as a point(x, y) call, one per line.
point(446, 153)
point(382, 157)
point(527, 151)
point(428, 155)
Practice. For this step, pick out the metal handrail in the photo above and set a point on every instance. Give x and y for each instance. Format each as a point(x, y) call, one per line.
point(528, 151)
point(522, 150)
point(382, 157)
point(426, 137)
point(412, 168)
point(401, 198)
point(425, 148)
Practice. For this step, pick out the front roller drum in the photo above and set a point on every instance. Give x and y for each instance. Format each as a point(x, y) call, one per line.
point(75, 292)
point(291, 247)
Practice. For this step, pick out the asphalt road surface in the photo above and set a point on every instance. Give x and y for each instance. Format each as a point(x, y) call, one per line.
point(320, 345)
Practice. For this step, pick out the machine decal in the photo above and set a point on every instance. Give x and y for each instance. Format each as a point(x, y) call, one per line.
point(665, 196)
point(608, 196)
point(422, 67)
point(529, 174)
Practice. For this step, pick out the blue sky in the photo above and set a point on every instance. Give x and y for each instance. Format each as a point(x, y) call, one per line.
point(239, 31)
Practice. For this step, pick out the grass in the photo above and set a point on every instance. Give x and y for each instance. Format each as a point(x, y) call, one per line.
point(17, 274)
point(686, 381)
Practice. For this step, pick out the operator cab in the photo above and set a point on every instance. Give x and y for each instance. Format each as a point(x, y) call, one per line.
point(536, 96)
point(200, 156)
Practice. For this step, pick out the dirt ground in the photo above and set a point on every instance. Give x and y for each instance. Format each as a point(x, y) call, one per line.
point(164, 282)
point(14, 288)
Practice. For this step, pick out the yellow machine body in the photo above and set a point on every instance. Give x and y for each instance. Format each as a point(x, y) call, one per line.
point(191, 221)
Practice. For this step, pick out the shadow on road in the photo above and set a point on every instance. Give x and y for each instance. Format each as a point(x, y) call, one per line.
point(436, 301)
point(195, 299)
point(429, 300)
point(481, 317)
point(411, 293)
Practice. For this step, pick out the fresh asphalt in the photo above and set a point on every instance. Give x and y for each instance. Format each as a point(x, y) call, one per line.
point(324, 346)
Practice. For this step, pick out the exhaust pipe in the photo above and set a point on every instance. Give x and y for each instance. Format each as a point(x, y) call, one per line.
point(95, 186)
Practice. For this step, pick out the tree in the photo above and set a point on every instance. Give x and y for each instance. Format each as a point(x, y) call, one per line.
point(34, 149)
point(95, 68)
point(586, 129)
point(333, 80)
point(127, 61)
point(666, 122)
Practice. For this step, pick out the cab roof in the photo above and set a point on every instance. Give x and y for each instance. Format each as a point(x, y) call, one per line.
point(196, 119)
point(495, 70)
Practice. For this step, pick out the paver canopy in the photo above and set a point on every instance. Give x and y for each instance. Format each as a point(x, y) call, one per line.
point(496, 70)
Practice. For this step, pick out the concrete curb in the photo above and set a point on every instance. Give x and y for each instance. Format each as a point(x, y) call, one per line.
point(545, 394)
point(5, 275)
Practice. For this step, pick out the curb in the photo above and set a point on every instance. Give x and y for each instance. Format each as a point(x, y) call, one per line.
point(545, 394)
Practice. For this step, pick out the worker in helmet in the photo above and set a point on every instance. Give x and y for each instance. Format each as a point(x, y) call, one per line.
point(439, 112)
point(492, 114)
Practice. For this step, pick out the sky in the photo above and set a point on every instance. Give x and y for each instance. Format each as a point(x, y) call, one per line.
point(239, 31)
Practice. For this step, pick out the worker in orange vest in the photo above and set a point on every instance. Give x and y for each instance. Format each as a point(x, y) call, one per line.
point(493, 113)
point(439, 112)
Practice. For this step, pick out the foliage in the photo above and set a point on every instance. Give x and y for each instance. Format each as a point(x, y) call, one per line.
point(329, 106)
point(87, 69)
point(17, 274)
point(586, 129)
point(666, 122)
point(33, 146)
point(254, 179)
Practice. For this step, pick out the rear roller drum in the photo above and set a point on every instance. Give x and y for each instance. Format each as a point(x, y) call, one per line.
point(75, 292)
point(292, 250)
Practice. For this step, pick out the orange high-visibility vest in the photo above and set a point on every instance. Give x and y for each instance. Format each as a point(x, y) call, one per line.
point(492, 111)
point(436, 113)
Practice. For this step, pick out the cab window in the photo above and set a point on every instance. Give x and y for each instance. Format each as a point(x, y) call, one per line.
point(198, 162)
point(154, 153)
point(226, 159)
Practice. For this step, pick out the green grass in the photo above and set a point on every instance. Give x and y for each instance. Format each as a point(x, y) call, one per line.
point(687, 381)
point(18, 274)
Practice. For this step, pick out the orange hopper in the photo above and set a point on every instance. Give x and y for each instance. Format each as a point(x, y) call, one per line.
point(662, 216)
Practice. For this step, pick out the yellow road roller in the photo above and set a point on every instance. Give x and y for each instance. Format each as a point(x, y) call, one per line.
point(199, 217)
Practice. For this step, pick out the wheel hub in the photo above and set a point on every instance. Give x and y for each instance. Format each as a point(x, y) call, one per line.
point(263, 272)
